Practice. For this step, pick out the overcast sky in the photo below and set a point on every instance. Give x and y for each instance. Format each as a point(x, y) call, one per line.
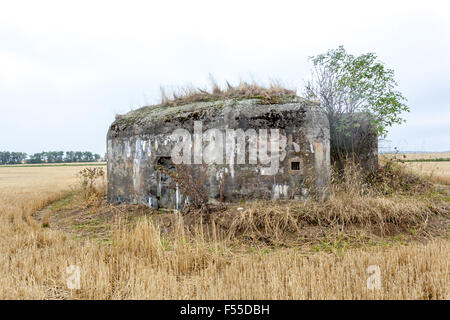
point(66, 68)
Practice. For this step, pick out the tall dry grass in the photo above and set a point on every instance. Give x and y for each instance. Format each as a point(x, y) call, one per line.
point(144, 263)
point(392, 200)
point(269, 94)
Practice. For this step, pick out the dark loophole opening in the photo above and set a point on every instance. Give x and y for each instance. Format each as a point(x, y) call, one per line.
point(165, 162)
point(295, 165)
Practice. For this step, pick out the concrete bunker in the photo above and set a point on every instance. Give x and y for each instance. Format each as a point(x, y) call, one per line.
point(251, 151)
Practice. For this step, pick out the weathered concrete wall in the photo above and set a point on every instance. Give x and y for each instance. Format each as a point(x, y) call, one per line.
point(140, 141)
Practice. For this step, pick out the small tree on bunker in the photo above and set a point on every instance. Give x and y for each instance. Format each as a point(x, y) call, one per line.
point(351, 88)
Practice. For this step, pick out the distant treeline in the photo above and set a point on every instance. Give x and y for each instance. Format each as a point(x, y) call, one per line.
point(7, 157)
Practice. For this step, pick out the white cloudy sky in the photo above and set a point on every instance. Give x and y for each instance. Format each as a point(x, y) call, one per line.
point(66, 68)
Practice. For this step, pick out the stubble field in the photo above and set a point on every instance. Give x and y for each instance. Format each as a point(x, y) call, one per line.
point(143, 261)
point(436, 171)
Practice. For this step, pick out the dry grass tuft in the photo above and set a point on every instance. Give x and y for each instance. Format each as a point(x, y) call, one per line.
point(390, 201)
point(392, 178)
point(268, 95)
point(285, 223)
point(93, 185)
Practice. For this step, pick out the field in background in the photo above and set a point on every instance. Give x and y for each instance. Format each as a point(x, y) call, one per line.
point(436, 171)
point(71, 164)
point(418, 156)
point(40, 181)
point(141, 263)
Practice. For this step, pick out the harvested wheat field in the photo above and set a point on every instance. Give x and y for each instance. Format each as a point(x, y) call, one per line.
point(418, 156)
point(431, 166)
point(392, 243)
point(438, 172)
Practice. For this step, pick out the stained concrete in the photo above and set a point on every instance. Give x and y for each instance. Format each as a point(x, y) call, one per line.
point(141, 141)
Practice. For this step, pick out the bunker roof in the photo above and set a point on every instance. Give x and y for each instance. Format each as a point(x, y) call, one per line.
point(160, 112)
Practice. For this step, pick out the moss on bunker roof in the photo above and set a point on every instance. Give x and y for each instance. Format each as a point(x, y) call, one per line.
point(161, 112)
